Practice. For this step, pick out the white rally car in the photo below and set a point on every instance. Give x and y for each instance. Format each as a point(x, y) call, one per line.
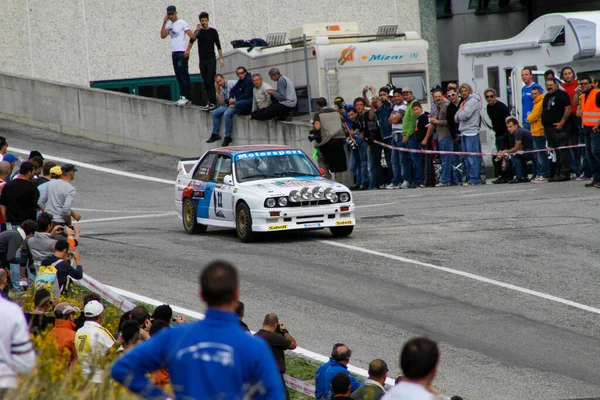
point(260, 189)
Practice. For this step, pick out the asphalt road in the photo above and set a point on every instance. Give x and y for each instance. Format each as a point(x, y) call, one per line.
point(497, 341)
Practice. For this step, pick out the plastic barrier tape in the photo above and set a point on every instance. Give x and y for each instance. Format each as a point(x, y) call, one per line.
point(98, 287)
point(299, 386)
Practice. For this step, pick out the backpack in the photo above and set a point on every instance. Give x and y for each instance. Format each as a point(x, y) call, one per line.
point(46, 279)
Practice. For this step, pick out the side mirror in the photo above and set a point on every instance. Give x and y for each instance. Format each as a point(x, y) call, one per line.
point(228, 180)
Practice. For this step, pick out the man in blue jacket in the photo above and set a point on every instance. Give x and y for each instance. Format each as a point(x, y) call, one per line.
point(210, 359)
point(340, 357)
point(239, 102)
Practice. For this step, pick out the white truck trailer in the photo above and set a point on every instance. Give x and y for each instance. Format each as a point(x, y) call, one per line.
point(341, 61)
point(552, 41)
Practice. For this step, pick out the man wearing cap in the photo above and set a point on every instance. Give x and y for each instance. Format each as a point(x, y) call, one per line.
point(19, 197)
point(64, 268)
point(177, 29)
point(59, 195)
point(92, 341)
point(64, 330)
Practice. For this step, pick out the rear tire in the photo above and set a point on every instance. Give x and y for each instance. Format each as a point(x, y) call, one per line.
point(341, 231)
point(190, 224)
point(243, 223)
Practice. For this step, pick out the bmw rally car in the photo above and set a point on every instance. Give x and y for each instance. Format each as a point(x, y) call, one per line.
point(260, 189)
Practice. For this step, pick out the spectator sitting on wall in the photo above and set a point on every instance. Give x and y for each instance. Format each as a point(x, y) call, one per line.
point(284, 98)
point(261, 99)
point(238, 102)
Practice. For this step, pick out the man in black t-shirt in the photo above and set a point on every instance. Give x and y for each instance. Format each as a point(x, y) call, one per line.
point(556, 109)
point(423, 133)
point(279, 339)
point(19, 197)
point(207, 38)
point(498, 112)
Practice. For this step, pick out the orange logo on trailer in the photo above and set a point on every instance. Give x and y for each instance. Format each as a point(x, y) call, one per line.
point(347, 55)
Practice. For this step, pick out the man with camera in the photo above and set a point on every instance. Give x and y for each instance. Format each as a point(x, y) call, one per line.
point(329, 137)
point(278, 338)
point(61, 260)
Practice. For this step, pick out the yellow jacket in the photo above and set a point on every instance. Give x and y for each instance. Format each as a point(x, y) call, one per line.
point(535, 117)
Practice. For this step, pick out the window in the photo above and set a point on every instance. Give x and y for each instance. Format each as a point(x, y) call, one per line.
point(222, 168)
point(443, 8)
point(494, 79)
point(494, 6)
point(555, 35)
point(414, 80)
point(155, 91)
point(202, 173)
point(124, 89)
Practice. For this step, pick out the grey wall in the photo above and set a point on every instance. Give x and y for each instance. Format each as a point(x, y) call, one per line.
point(138, 122)
point(466, 27)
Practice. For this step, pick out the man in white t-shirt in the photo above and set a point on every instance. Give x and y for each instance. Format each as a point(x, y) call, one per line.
point(177, 29)
point(419, 361)
point(399, 159)
point(93, 341)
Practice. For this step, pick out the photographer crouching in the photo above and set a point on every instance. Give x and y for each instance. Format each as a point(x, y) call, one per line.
point(279, 339)
point(329, 138)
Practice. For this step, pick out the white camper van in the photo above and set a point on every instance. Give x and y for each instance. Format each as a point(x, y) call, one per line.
point(552, 41)
point(341, 61)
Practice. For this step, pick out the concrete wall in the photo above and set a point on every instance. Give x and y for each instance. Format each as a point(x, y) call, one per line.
point(138, 122)
point(78, 41)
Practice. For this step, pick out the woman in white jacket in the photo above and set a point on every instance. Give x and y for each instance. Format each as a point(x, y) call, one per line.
point(468, 116)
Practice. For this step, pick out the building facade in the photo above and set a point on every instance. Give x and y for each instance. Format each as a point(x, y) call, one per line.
point(87, 42)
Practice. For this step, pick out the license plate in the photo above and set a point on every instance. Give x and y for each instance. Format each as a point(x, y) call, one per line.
point(277, 227)
point(312, 225)
point(345, 222)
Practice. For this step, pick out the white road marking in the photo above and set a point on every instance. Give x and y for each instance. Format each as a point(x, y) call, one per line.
point(499, 192)
point(97, 168)
point(87, 221)
point(376, 205)
point(120, 211)
point(468, 275)
point(194, 314)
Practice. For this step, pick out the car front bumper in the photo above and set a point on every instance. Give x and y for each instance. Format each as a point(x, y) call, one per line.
point(309, 217)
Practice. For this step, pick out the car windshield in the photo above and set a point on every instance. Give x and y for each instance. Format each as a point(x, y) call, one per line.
point(273, 164)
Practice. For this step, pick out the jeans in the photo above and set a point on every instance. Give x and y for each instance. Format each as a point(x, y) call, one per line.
point(359, 162)
point(541, 157)
point(399, 167)
point(575, 133)
point(446, 144)
point(275, 110)
point(472, 163)
point(520, 163)
point(527, 125)
point(592, 150)
point(180, 65)
point(558, 138)
point(415, 161)
point(586, 170)
point(456, 171)
point(374, 165)
point(208, 70)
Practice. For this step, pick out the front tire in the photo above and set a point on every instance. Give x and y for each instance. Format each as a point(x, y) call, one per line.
point(190, 224)
point(341, 231)
point(243, 223)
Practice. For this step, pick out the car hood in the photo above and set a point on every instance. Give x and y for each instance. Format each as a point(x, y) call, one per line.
point(283, 186)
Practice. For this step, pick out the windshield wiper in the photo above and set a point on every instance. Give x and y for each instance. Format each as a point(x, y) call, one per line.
point(255, 176)
point(294, 173)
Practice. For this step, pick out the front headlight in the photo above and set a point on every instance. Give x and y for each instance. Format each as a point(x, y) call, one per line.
point(318, 193)
point(282, 201)
point(306, 193)
point(271, 202)
point(295, 196)
point(344, 197)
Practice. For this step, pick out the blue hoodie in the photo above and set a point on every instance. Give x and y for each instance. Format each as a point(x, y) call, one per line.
point(324, 376)
point(210, 359)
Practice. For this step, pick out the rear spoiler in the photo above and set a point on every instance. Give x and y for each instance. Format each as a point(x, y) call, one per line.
point(186, 165)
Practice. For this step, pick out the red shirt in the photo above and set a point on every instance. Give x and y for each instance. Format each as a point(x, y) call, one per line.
point(570, 89)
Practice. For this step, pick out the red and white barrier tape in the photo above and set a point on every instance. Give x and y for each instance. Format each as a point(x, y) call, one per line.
point(299, 386)
point(466, 153)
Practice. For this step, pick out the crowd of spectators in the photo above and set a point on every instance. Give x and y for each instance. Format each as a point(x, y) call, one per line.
point(158, 356)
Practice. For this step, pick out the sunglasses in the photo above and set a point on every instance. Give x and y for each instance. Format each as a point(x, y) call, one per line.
point(240, 73)
point(489, 97)
point(451, 94)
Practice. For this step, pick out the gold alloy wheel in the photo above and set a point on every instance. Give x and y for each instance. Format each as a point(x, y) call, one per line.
point(242, 222)
point(188, 215)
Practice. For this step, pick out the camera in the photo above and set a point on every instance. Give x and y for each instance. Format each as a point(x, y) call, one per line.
point(351, 144)
point(315, 136)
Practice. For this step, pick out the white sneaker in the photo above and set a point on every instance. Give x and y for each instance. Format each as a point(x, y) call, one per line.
point(392, 186)
point(404, 185)
point(183, 101)
point(540, 179)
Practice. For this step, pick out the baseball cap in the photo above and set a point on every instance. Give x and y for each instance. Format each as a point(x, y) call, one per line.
point(35, 153)
point(406, 90)
point(436, 87)
point(171, 10)
point(338, 100)
point(10, 158)
point(56, 171)
point(93, 309)
point(65, 308)
point(68, 168)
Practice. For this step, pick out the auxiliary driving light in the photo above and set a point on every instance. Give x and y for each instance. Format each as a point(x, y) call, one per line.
point(295, 196)
point(306, 193)
point(318, 193)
